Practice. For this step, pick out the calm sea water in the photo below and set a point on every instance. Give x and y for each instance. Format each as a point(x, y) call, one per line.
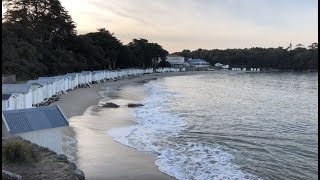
point(229, 126)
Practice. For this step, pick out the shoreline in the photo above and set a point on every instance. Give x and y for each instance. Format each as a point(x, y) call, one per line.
point(125, 162)
point(74, 103)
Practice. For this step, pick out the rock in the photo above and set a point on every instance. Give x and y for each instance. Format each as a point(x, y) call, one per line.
point(131, 105)
point(110, 105)
point(62, 158)
point(79, 174)
point(10, 176)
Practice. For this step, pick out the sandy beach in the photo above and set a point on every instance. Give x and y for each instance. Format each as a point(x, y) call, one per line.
point(98, 155)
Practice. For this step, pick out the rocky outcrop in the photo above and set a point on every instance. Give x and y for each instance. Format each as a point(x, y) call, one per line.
point(46, 164)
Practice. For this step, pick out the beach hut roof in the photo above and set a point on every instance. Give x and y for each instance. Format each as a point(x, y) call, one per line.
point(16, 88)
point(41, 82)
point(59, 77)
point(72, 75)
point(6, 96)
point(68, 76)
point(86, 72)
point(55, 78)
point(33, 119)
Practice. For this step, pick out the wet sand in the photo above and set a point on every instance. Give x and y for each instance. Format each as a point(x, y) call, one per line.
point(98, 155)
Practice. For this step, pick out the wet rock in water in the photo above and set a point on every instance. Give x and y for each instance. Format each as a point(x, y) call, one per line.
point(131, 105)
point(110, 105)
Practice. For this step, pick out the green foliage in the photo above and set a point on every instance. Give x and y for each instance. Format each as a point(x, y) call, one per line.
point(46, 20)
point(17, 151)
point(278, 58)
point(142, 52)
point(164, 63)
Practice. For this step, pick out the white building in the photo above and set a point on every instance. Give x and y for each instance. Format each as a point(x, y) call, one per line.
point(176, 61)
point(42, 126)
point(218, 65)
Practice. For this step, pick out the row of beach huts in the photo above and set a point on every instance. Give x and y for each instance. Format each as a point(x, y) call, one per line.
point(45, 125)
point(36, 92)
point(245, 69)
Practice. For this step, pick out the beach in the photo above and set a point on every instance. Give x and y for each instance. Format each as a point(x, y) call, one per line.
point(96, 153)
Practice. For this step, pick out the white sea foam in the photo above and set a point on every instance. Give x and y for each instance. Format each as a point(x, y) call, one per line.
point(155, 131)
point(69, 148)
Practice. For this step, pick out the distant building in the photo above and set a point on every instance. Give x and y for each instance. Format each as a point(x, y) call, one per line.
point(42, 126)
point(176, 61)
point(218, 65)
point(198, 63)
point(225, 66)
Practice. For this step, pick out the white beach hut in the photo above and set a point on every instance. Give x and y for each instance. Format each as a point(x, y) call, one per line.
point(68, 83)
point(47, 88)
point(97, 76)
point(8, 101)
point(56, 84)
point(64, 82)
point(88, 76)
point(19, 101)
point(81, 79)
point(20, 90)
point(74, 79)
point(42, 126)
point(37, 93)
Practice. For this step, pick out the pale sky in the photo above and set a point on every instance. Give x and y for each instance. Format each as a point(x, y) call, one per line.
point(206, 24)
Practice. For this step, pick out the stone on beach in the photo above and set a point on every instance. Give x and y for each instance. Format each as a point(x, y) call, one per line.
point(131, 105)
point(110, 105)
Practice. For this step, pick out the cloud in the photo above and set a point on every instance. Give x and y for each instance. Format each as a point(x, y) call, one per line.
point(193, 24)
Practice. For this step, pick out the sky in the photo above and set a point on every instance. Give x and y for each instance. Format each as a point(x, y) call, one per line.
point(206, 24)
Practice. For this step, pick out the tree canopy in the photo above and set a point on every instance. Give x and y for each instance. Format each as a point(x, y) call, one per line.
point(39, 38)
point(281, 58)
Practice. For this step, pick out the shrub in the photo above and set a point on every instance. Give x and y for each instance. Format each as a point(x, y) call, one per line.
point(17, 151)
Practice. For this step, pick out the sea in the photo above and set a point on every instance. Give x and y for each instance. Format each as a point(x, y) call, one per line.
point(229, 125)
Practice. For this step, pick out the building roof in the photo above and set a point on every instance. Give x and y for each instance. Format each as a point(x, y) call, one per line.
point(194, 61)
point(72, 75)
point(16, 88)
point(86, 72)
point(33, 119)
point(41, 82)
point(50, 79)
point(6, 96)
point(68, 76)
